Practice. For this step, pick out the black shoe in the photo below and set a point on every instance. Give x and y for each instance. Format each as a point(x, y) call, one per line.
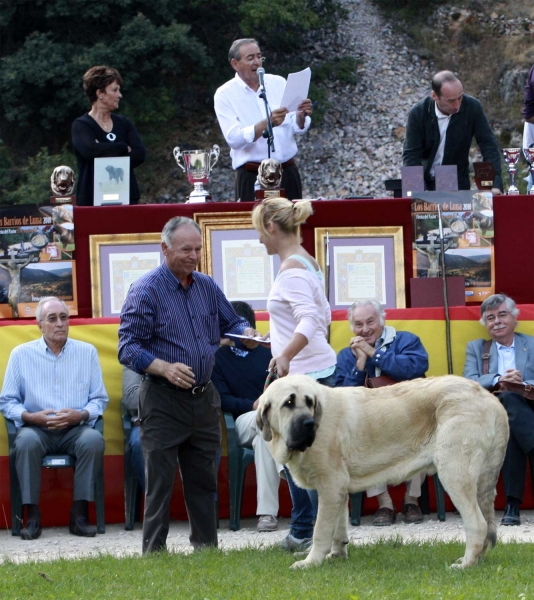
point(511, 515)
point(31, 531)
point(80, 526)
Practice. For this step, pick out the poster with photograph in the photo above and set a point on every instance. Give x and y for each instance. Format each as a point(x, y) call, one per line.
point(468, 232)
point(36, 258)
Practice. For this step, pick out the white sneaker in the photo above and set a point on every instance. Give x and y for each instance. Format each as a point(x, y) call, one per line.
point(267, 523)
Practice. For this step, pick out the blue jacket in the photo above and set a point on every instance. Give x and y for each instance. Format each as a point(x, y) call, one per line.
point(405, 358)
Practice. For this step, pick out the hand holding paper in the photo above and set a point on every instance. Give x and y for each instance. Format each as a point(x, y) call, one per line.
point(297, 89)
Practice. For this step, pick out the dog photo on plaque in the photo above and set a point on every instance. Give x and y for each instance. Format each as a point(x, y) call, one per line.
point(112, 181)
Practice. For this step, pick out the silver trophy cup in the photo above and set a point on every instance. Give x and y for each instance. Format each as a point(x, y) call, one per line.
point(197, 164)
point(511, 158)
point(529, 156)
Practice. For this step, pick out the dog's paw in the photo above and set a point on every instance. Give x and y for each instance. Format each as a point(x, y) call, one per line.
point(338, 554)
point(462, 563)
point(305, 564)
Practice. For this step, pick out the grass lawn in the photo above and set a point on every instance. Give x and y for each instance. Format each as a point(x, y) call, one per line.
point(389, 569)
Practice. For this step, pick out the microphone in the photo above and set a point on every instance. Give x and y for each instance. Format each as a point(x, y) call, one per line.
point(261, 74)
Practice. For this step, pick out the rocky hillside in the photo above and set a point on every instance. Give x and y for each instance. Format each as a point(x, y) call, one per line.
point(358, 142)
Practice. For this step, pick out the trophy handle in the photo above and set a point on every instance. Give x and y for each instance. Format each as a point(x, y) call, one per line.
point(177, 155)
point(214, 155)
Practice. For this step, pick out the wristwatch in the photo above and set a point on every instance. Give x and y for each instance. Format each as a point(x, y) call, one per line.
point(84, 420)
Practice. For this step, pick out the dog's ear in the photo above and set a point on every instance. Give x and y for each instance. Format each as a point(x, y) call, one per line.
point(262, 421)
point(318, 410)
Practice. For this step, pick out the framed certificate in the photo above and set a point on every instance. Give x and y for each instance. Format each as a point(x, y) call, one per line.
point(362, 263)
point(116, 262)
point(233, 256)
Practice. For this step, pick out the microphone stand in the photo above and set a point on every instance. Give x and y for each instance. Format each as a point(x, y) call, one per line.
point(268, 133)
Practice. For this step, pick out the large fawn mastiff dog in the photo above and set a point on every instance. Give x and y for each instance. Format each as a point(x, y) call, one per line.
point(345, 440)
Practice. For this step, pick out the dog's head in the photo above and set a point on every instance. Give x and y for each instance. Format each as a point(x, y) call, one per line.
point(62, 180)
point(289, 413)
point(270, 174)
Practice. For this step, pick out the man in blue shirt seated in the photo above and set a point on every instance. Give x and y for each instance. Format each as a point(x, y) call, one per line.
point(239, 376)
point(171, 324)
point(53, 390)
point(378, 349)
point(507, 357)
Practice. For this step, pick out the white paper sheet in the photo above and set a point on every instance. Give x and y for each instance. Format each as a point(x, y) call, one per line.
point(255, 338)
point(297, 88)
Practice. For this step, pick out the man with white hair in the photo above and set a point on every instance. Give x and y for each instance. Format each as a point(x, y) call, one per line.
point(507, 357)
point(378, 349)
point(53, 390)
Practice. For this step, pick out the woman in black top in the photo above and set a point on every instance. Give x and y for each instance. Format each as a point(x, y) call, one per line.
point(100, 133)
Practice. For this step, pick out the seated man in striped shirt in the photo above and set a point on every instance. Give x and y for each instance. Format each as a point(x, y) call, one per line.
point(54, 391)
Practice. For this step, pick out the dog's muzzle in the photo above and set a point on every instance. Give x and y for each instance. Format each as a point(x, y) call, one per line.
point(302, 433)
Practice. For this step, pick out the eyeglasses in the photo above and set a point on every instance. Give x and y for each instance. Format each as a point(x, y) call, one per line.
point(253, 57)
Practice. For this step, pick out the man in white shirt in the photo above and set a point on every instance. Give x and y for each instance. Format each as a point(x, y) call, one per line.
point(241, 114)
point(440, 129)
point(53, 390)
point(507, 357)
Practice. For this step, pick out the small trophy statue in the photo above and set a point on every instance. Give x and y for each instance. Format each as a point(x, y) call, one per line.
point(197, 164)
point(511, 158)
point(62, 183)
point(529, 155)
point(269, 180)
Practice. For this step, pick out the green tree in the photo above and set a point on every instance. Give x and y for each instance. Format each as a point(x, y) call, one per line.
point(171, 54)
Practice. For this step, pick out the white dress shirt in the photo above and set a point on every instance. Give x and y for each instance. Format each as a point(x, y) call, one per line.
point(238, 108)
point(506, 356)
point(36, 379)
point(443, 123)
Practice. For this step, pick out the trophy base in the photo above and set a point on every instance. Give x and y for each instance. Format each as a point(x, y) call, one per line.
point(265, 194)
point(63, 200)
point(195, 199)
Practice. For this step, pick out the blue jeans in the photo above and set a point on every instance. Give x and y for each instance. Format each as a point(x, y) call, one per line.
point(304, 509)
point(305, 502)
point(138, 462)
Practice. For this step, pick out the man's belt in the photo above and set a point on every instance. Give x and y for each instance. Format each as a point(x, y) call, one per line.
point(254, 166)
point(164, 382)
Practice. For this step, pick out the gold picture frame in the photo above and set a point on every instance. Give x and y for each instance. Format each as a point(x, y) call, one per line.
point(379, 249)
point(105, 290)
point(211, 222)
point(234, 257)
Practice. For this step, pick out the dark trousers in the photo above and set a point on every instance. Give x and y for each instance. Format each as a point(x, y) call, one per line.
point(179, 426)
point(245, 180)
point(520, 444)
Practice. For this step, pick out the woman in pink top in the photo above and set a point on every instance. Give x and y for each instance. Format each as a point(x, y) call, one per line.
point(298, 309)
point(299, 316)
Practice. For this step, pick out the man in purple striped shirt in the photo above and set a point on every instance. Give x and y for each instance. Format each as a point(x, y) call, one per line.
point(171, 324)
